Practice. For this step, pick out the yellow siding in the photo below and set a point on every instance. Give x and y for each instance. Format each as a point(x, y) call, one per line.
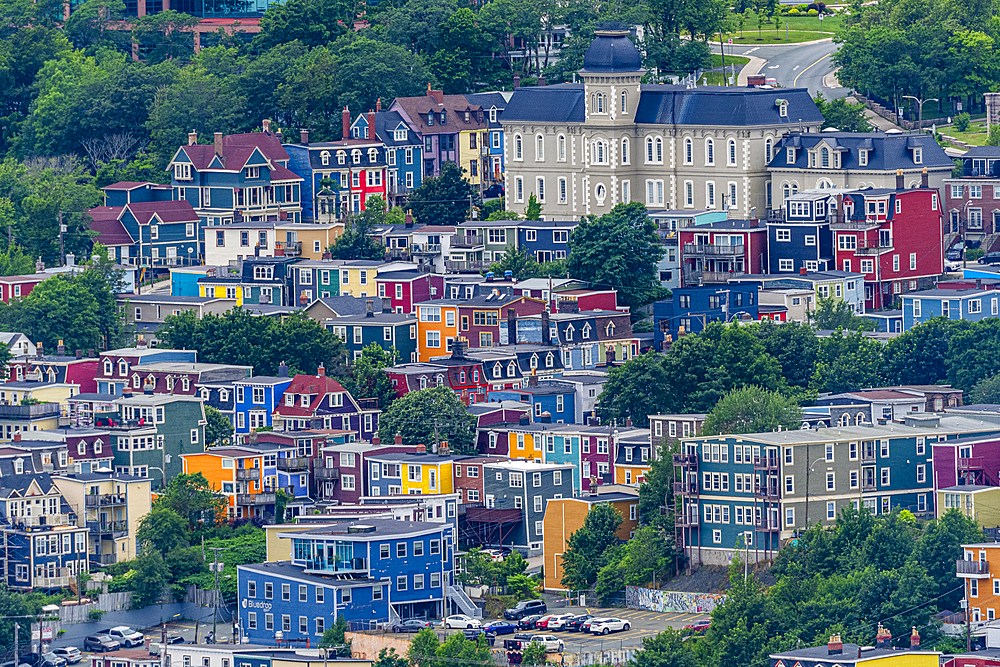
point(445, 483)
point(466, 154)
point(525, 446)
point(219, 292)
point(277, 548)
point(353, 286)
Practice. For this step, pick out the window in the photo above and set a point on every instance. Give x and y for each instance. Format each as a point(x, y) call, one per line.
point(709, 194)
point(731, 153)
point(539, 148)
point(786, 265)
point(709, 152)
point(286, 592)
point(624, 151)
point(562, 190)
point(783, 234)
point(518, 147)
point(561, 148)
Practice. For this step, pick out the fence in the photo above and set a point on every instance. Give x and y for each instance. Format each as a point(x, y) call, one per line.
point(200, 597)
point(106, 602)
point(671, 601)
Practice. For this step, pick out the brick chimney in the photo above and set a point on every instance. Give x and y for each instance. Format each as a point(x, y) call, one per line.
point(517, 81)
point(17, 437)
point(883, 638)
point(899, 179)
point(533, 378)
point(378, 104)
point(835, 646)
point(304, 137)
point(371, 124)
point(40, 351)
point(398, 439)
point(60, 348)
point(321, 371)
point(408, 220)
point(541, 80)
point(923, 179)
point(345, 117)
point(192, 138)
point(803, 271)
point(914, 635)
point(376, 441)
point(438, 95)
point(218, 143)
point(421, 449)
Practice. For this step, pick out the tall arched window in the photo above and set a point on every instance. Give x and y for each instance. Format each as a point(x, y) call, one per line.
point(539, 148)
point(767, 150)
point(709, 151)
point(785, 191)
point(600, 152)
point(625, 151)
point(732, 152)
point(659, 150)
point(688, 151)
point(624, 102)
point(561, 147)
point(518, 147)
point(824, 156)
point(600, 103)
point(649, 149)
point(325, 158)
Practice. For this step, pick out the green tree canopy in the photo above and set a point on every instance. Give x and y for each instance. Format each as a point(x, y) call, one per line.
point(444, 199)
point(421, 415)
point(832, 314)
point(355, 241)
point(842, 115)
point(219, 429)
point(163, 528)
point(367, 377)
point(752, 410)
point(192, 498)
point(586, 548)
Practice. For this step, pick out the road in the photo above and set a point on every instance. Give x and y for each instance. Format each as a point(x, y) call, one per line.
point(794, 65)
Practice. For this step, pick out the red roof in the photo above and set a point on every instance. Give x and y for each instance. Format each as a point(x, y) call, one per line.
point(317, 386)
point(885, 394)
point(236, 151)
point(110, 230)
point(166, 211)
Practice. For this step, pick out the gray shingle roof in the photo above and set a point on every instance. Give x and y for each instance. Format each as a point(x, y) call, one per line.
point(714, 105)
point(888, 152)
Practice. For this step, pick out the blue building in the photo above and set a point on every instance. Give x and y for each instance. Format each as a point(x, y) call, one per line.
point(256, 399)
point(43, 548)
point(667, 223)
point(132, 192)
point(403, 149)
point(887, 321)
point(256, 281)
point(545, 240)
point(694, 308)
point(551, 401)
point(799, 236)
point(378, 570)
point(972, 305)
point(239, 177)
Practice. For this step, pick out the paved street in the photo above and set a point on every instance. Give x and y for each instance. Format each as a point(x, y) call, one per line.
point(794, 65)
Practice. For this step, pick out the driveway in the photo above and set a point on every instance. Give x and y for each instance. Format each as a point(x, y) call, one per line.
point(805, 65)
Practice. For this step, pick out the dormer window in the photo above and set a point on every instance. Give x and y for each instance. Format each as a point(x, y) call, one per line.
point(824, 157)
point(324, 158)
point(18, 467)
point(863, 157)
point(493, 114)
point(586, 331)
point(423, 382)
point(461, 377)
point(182, 172)
point(430, 117)
point(790, 155)
point(304, 400)
point(468, 116)
point(533, 363)
point(341, 157)
point(569, 332)
point(610, 330)
point(356, 156)
point(289, 399)
point(918, 155)
point(122, 367)
point(109, 367)
point(549, 360)
point(511, 369)
point(373, 155)
point(439, 380)
point(443, 117)
point(782, 107)
point(400, 134)
point(497, 370)
point(136, 381)
point(81, 448)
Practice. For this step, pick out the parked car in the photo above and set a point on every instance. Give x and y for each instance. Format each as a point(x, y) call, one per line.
point(955, 254)
point(175, 639)
point(952, 266)
point(525, 608)
point(70, 654)
point(494, 554)
point(500, 627)
point(990, 258)
point(528, 622)
point(551, 642)
point(585, 626)
point(609, 625)
point(42, 660)
point(101, 643)
point(574, 624)
point(125, 635)
point(472, 633)
point(412, 625)
point(699, 626)
point(559, 621)
point(543, 622)
point(461, 621)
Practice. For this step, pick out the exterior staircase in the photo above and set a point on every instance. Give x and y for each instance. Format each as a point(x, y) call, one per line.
point(464, 602)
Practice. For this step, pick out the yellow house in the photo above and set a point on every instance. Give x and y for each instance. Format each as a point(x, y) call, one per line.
point(222, 288)
point(470, 146)
point(17, 393)
point(883, 654)
point(111, 505)
point(307, 240)
point(357, 278)
point(32, 406)
point(281, 549)
point(981, 503)
point(525, 445)
point(411, 474)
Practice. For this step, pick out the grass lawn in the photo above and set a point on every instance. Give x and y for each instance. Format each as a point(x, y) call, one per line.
point(800, 29)
point(975, 135)
point(730, 60)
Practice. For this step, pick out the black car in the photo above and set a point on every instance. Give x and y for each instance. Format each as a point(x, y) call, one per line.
point(574, 624)
point(528, 622)
point(473, 633)
point(412, 625)
point(990, 258)
point(525, 608)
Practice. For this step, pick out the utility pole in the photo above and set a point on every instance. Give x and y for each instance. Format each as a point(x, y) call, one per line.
point(216, 567)
point(62, 247)
point(17, 626)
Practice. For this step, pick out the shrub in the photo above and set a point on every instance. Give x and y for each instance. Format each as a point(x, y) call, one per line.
point(972, 254)
point(95, 614)
point(793, 12)
point(962, 121)
point(813, 12)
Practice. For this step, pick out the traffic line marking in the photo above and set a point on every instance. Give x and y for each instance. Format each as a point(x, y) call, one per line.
point(795, 81)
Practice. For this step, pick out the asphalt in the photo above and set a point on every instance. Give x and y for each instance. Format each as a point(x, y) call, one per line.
point(803, 65)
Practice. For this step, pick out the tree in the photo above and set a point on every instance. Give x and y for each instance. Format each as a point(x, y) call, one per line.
point(666, 649)
point(521, 265)
point(149, 575)
point(619, 250)
point(586, 548)
point(166, 35)
point(281, 499)
point(387, 658)
point(847, 362)
point(972, 353)
point(656, 490)
point(832, 314)
point(310, 22)
point(355, 242)
point(533, 211)
point(334, 637)
point(370, 69)
point(462, 652)
point(430, 415)
point(192, 498)
point(59, 308)
point(752, 410)
point(986, 390)
point(920, 354)
point(939, 546)
point(368, 378)
point(91, 25)
point(636, 389)
point(794, 345)
point(843, 115)
point(534, 654)
point(164, 529)
point(423, 649)
point(443, 199)
point(219, 430)
point(104, 281)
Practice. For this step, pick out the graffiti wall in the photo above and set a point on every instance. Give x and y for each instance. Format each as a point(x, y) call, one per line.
point(671, 601)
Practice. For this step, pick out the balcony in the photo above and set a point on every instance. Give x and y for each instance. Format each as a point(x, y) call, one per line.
point(763, 526)
point(326, 473)
point(367, 403)
point(696, 277)
point(293, 463)
point(839, 222)
point(29, 411)
point(397, 253)
point(105, 499)
point(776, 215)
point(971, 464)
point(689, 488)
point(766, 462)
point(248, 474)
point(43, 521)
point(689, 520)
point(255, 498)
point(288, 248)
point(104, 559)
point(426, 248)
point(114, 528)
point(465, 267)
point(324, 565)
point(467, 241)
point(870, 247)
point(766, 492)
point(712, 249)
point(686, 461)
point(869, 485)
point(61, 580)
point(972, 569)
point(868, 455)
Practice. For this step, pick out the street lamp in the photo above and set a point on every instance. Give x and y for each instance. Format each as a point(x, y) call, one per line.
point(920, 108)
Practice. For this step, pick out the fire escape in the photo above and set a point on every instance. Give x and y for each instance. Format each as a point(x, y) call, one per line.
point(686, 535)
point(767, 501)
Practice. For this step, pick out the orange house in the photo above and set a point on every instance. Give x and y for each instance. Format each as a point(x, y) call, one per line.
point(246, 478)
point(980, 570)
point(565, 516)
point(437, 328)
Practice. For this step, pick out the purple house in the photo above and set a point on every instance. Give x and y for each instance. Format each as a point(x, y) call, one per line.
point(492, 416)
point(966, 461)
point(340, 474)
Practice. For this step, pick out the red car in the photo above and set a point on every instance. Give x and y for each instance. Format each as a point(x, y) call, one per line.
point(543, 622)
point(699, 626)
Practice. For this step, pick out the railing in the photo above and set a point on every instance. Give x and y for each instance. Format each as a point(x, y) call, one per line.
point(776, 215)
point(248, 474)
point(367, 403)
point(973, 567)
point(464, 602)
point(28, 411)
point(765, 463)
point(59, 581)
point(396, 190)
point(44, 520)
point(686, 520)
point(867, 455)
point(397, 253)
point(712, 249)
point(465, 267)
point(288, 248)
point(839, 222)
point(293, 463)
point(466, 240)
point(255, 498)
point(686, 488)
point(324, 565)
point(766, 492)
point(104, 527)
point(426, 248)
point(971, 463)
point(326, 473)
point(686, 460)
point(104, 559)
point(764, 526)
point(695, 277)
point(868, 485)
point(106, 499)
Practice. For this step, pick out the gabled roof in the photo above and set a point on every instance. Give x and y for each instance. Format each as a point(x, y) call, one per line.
point(237, 149)
point(105, 220)
point(384, 127)
point(454, 106)
point(887, 152)
point(134, 185)
point(165, 211)
point(318, 386)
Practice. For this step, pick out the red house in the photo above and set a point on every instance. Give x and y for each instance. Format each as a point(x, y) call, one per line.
point(464, 375)
point(716, 252)
point(893, 237)
point(480, 317)
point(403, 289)
point(18, 287)
point(79, 369)
point(577, 300)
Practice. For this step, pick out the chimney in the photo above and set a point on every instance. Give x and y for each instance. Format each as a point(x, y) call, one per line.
point(437, 95)
point(546, 334)
point(523, 420)
point(517, 81)
point(899, 179)
point(803, 271)
point(321, 371)
point(41, 351)
point(386, 306)
point(39, 265)
point(192, 138)
point(60, 348)
point(408, 220)
point(91, 353)
point(17, 437)
point(370, 308)
point(376, 441)
point(304, 298)
point(511, 326)
point(459, 348)
point(533, 378)
point(282, 370)
point(398, 439)
point(421, 449)
point(79, 354)
point(371, 124)
point(304, 137)
point(218, 143)
point(546, 417)
point(434, 448)
point(265, 125)
point(140, 341)
point(443, 449)
point(923, 179)
point(277, 133)
point(883, 638)
point(345, 117)
point(628, 422)
point(541, 80)
point(914, 635)
point(835, 646)
point(378, 105)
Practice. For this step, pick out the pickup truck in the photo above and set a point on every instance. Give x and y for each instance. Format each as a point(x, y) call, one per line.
point(125, 635)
